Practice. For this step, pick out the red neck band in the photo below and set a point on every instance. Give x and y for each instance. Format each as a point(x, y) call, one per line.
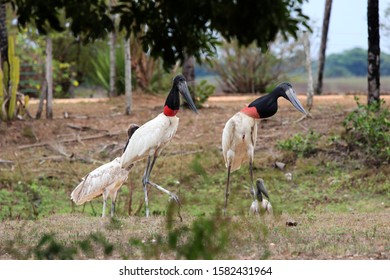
point(251, 112)
point(169, 112)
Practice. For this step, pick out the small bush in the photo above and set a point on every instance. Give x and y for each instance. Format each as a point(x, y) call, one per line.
point(301, 145)
point(203, 91)
point(367, 130)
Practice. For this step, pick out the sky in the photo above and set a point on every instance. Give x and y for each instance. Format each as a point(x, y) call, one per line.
point(348, 24)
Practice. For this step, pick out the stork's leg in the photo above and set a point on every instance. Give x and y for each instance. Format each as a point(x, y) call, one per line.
point(145, 180)
point(251, 174)
point(113, 199)
point(104, 208)
point(105, 195)
point(172, 195)
point(227, 189)
point(112, 209)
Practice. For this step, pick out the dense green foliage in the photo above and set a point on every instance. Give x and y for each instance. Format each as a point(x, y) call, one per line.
point(71, 62)
point(367, 130)
point(173, 27)
point(100, 72)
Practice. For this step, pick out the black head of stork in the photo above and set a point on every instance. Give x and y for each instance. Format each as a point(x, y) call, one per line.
point(266, 106)
point(172, 103)
point(130, 131)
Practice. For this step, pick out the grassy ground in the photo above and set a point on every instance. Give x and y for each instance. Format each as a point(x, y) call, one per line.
point(335, 207)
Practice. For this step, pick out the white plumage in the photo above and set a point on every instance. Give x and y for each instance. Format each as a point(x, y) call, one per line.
point(150, 138)
point(105, 180)
point(240, 132)
point(265, 204)
point(238, 140)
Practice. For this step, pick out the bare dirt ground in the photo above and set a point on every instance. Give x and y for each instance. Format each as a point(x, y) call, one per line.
point(102, 115)
point(79, 130)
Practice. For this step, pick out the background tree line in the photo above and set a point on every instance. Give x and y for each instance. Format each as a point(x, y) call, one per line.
point(353, 62)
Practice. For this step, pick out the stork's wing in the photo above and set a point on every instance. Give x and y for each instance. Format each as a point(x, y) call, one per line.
point(227, 138)
point(96, 181)
point(149, 138)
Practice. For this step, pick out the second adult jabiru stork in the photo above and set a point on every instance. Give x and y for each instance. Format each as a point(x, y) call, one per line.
point(240, 132)
point(149, 140)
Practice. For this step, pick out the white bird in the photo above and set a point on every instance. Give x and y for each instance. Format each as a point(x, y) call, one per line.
point(105, 180)
point(265, 204)
point(240, 132)
point(149, 140)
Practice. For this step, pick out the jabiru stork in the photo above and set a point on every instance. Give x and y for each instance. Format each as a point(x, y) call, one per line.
point(265, 204)
point(105, 180)
point(150, 139)
point(240, 132)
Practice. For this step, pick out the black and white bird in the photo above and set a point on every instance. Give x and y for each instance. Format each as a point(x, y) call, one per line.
point(149, 140)
point(240, 131)
point(105, 180)
point(264, 203)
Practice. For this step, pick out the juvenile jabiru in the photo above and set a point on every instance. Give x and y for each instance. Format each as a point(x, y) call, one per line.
point(105, 180)
point(265, 204)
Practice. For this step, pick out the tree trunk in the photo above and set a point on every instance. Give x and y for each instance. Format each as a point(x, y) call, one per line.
point(324, 38)
point(189, 74)
point(112, 91)
point(128, 93)
point(49, 78)
point(373, 73)
point(306, 45)
point(3, 35)
point(42, 99)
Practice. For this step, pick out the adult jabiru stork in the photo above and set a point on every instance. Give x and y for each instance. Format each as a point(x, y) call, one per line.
point(240, 132)
point(150, 139)
point(105, 180)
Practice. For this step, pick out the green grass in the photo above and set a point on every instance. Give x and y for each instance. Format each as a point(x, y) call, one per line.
point(200, 184)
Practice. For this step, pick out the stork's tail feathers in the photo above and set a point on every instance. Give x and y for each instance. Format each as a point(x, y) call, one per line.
point(77, 194)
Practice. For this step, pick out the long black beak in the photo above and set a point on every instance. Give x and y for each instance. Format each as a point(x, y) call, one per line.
point(292, 97)
point(261, 189)
point(183, 89)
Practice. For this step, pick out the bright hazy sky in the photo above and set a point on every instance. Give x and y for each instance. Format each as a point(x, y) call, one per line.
point(348, 24)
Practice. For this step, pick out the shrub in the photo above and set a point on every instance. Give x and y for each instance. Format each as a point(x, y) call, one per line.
point(203, 91)
point(367, 130)
point(251, 70)
point(301, 145)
